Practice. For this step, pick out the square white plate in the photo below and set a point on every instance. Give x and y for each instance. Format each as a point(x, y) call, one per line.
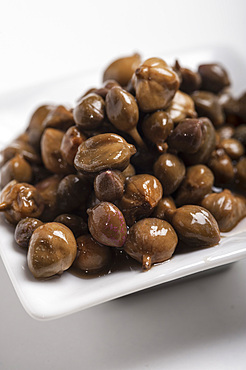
point(67, 294)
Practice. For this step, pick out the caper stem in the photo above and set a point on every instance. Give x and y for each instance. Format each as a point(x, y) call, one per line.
point(4, 206)
point(146, 264)
point(139, 141)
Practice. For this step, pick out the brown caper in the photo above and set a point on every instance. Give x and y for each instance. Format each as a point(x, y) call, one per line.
point(170, 170)
point(70, 143)
point(207, 146)
point(48, 190)
point(122, 112)
point(207, 104)
point(103, 152)
point(51, 152)
point(24, 230)
point(52, 250)
point(73, 192)
point(197, 183)
point(181, 107)
point(129, 171)
point(109, 185)
point(195, 226)
point(233, 147)
point(59, 118)
point(122, 69)
point(163, 207)
point(142, 194)
point(227, 209)
point(241, 172)
point(75, 223)
point(36, 128)
point(17, 169)
point(155, 84)
point(214, 77)
point(156, 127)
point(151, 241)
point(225, 132)
point(222, 167)
point(20, 200)
point(107, 224)
point(107, 85)
point(190, 81)
point(89, 113)
point(240, 134)
point(92, 257)
point(187, 136)
point(20, 146)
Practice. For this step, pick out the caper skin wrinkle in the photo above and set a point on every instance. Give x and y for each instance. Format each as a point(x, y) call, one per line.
point(20, 200)
point(195, 226)
point(107, 224)
point(181, 107)
point(170, 170)
point(227, 209)
point(89, 113)
point(155, 84)
point(151, 241)
point(24, 230)
point(92, 257)
point(70, 143)
point(142, 194)
point(121, 69)
point(52, 250)
point(103, 152)
point(207, 104)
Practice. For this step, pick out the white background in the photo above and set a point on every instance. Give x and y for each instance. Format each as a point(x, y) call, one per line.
point(190, 324)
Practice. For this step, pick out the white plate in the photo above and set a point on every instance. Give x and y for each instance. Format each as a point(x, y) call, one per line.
point(67, 294)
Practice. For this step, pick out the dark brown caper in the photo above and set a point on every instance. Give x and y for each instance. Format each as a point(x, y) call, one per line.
point(170, 170)
point(107, 224)
point(190, 81)
point(89, 113)
point(156, 128)
point(73, 192)
point(241, 172)
point(92, 257)
point(214, 77)
point(187, 136)
point(207, 146)
point(207, 104)
point(24, 230)
point(240, 134)
point(48, 190)
point(36, 128)
point(122, 112)
point(109, 185)
point(75, 223)
point(151, 241)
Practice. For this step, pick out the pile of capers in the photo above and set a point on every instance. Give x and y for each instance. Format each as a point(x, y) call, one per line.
point(150, 162)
